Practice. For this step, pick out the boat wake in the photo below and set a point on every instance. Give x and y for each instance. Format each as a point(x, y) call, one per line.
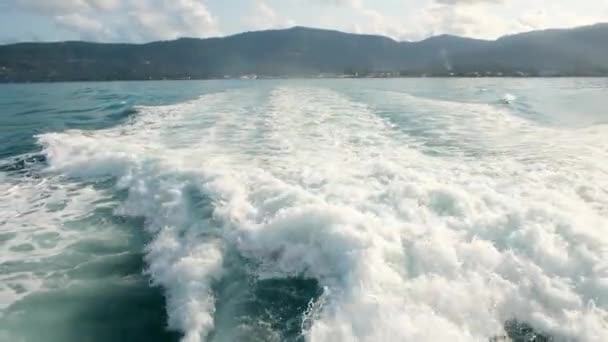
point(301, 212)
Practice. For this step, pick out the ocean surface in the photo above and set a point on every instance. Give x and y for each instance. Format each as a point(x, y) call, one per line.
point(305, 210)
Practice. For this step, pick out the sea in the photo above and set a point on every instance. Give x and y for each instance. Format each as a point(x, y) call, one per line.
point(305, 210)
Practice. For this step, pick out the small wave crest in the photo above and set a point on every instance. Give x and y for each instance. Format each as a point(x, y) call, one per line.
point(22, 164)
point(508, 99)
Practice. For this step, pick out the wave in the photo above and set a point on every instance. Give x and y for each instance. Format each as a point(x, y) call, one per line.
point(508, 99)
point(22, 164)
point(41, 217)
point(305, 183)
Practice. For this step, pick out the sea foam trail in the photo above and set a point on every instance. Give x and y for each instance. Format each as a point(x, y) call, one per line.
point(34, 230)
point(407, 244)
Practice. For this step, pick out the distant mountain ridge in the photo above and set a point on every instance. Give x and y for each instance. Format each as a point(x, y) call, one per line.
point(301, 51)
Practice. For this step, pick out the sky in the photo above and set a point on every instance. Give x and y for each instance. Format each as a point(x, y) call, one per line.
point(148, 20)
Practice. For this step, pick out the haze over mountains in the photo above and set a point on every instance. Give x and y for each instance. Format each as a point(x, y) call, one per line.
point(309, 52)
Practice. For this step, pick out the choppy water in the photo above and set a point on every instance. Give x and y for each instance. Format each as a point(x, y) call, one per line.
point(330, 210)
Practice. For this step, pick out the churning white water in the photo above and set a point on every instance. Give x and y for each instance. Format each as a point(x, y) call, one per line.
point(421, 219)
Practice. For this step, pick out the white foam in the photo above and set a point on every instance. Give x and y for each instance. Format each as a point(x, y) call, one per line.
point(508, 98)
point(33, 214)
point(408, 246)
point(158, 167)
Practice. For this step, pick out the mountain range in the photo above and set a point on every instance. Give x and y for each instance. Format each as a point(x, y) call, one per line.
point(309, 52)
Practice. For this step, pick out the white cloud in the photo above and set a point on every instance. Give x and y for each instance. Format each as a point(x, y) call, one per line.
point(165, 19)
point(375, 22)
point(149, 25)
point(472, 20)
point(264, 17)
point(368, 20)
point(487, 19)
point(133, 20)
point(557, 16)
point(88, 28)
point(461, 17)
point(146, 20)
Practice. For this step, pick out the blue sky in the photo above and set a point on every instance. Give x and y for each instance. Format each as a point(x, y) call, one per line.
point(147, 20)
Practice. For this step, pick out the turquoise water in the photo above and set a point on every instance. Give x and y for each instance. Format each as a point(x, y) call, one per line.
point(320, 210)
